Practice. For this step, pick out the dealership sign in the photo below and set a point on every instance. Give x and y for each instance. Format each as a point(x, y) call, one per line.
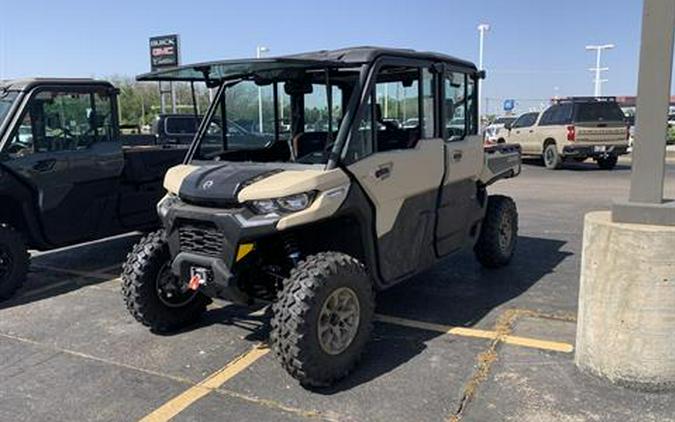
point(164, 51)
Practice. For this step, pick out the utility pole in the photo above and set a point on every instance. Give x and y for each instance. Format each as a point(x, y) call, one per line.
point(482, 29)
point(598, 69)
point(259, 51)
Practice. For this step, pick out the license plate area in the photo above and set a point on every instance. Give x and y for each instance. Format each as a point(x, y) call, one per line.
point(599, 148)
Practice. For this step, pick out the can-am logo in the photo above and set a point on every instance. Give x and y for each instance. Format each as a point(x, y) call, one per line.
point(207, 185)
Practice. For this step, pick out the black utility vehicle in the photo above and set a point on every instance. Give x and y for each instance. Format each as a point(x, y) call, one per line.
point(66, 173)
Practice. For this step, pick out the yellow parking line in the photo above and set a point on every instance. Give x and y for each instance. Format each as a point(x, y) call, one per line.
point(182, 401)
point(477, 333)
point(534, 343)
point(430, 326)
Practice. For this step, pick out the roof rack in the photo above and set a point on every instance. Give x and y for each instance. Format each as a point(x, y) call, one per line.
point(585, 100)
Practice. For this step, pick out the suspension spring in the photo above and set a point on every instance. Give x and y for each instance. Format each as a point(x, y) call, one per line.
point(291, 248)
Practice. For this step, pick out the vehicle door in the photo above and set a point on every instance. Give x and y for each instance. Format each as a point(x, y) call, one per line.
point(529, 137)
point(459, 210)
point(64, 148)
point(400, 169)
point(520, 132)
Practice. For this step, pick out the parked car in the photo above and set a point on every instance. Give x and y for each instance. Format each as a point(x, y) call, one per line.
point(495, 132)
point(318, 225)
point(67, 175)
point(575, 128)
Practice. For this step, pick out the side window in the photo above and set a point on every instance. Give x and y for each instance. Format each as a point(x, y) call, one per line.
point(455, 105)
point(519, 122)
point(428, 104)
point(548, 116)
point(564, 114)
point(397, 108)
point(399, 112)
point(63, 121)
point(471, 105)
point(526, 120)
point(362, 139)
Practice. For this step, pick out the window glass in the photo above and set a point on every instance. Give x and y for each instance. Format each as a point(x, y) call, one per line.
point(598, 112)
point(526, 120)
point(361, 141)
point(63, 121)
point(316, 109)
point(428, 103)
point(455, 105)
point(181, 125)
point(471, 104)
point(547, 117)
point(245, 101)
point(6, 100)
point(397, 108)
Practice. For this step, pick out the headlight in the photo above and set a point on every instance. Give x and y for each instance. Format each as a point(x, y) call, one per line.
point(291, 203)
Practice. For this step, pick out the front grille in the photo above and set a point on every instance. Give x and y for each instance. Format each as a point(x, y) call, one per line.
point(201, 238)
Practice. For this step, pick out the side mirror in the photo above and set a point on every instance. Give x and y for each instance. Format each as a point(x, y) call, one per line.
point(507, 126)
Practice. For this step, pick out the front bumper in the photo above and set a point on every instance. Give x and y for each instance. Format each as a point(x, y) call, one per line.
point(209, 238)
point(593, 150)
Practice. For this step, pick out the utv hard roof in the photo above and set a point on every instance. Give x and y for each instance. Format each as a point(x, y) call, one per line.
point(348, 57)
point(26, 84)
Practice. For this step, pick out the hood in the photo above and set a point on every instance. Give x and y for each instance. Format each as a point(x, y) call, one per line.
point(218, 185)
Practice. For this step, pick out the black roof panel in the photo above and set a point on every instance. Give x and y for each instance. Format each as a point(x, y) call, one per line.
point(226, 69)
point(25, 84)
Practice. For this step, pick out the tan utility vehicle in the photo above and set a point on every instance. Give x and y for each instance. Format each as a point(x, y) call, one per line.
point(345, 204)
point(574, 128)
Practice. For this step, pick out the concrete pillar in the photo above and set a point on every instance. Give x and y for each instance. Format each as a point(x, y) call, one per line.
point(626, 324)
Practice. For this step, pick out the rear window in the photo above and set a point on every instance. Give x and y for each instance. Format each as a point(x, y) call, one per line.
point(598, 112)
point(181, 125)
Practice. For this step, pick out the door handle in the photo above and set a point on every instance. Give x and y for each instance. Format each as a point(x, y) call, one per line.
point(383, 171)
point(531, 130)
point(457, 155)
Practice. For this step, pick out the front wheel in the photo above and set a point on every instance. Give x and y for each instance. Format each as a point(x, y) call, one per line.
point(13, 261)
point(498, 234)
point(323, 318)
point(608, 163)
point(152, 293)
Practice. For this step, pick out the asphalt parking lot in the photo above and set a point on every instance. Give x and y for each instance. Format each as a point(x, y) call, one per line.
point(455, 343)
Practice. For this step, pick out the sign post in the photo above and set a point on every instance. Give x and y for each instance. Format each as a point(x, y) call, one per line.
point(165, 53)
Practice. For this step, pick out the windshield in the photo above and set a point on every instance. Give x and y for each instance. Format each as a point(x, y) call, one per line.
point(293, 118)
point(6, 102)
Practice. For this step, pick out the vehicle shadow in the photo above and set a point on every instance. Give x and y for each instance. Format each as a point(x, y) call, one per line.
point(68, 269)
point(588, 165)
point(456, 292)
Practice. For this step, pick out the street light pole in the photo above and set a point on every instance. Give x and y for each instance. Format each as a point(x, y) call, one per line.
point(597, 69)
point(259, 50)
point(482, 29)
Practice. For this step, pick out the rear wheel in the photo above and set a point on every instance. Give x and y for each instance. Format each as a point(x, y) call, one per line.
point(499, 232)
point(13, 261)
point(323, 318)
point(552, 159)
point(152, 293)
point(608, 163)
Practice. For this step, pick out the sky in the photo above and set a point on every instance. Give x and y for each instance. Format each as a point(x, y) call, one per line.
point(534, 49)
